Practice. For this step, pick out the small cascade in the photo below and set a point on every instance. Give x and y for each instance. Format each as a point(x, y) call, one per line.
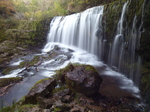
point(123, 57)
point(118, 44)
point(82, 30)
point(134, 60)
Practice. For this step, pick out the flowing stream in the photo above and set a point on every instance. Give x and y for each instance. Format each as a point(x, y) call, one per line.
point(80, 40)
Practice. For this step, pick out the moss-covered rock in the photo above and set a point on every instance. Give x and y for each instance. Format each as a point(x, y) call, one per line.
point(22, 108)
point(42, 88)
point(85, 80)
point(8, 81)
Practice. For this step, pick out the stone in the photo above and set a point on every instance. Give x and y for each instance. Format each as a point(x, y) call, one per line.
point(84, 79)
point(61, 107)
point(75, 109)
point(42, 88)
point(45, 103)
point(66, 99)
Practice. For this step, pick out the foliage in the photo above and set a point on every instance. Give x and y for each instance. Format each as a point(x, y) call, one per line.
point(6, 8)
point(39, 9)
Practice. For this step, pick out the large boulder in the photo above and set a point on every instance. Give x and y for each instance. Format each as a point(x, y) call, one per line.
point(42, 88)
point(84, 79)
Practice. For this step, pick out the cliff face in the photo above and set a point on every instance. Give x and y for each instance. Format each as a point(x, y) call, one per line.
point(139, 9)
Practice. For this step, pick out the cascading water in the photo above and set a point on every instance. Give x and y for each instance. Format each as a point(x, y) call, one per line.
point(134, 60)
point(82, 30)
point(117, 47)
point(122, 55)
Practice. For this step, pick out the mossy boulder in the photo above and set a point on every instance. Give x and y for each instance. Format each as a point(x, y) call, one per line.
point(42, 88)
point(84, 79)
point(8, 81)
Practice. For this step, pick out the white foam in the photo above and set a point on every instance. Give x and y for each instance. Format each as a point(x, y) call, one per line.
point(16, 63)
point(14, 73)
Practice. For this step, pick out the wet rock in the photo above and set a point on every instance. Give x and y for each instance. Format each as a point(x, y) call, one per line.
point(46, 110)
point(43, 89)
point(66, 99)
point(66, 96)
point(64, 92)
point(45, 103)
point(78, 108)
point(60, 107)
point(75, 109)
point(84, 79)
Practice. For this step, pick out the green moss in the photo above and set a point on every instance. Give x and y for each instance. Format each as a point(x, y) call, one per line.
point(40, 81)
point(24, 33)
point(19, 108)
point(7, 109)
point(57, 110)
point(58, 89)
point(7, 71)
point(29, 63)
point(112, 14)
point(34, 60)
point(90, 68)
point(23, 64)
point(27, 107)
point(61, 73)
point(8, 81)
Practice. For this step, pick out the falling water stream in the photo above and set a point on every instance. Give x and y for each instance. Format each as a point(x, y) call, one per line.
point(79, 37)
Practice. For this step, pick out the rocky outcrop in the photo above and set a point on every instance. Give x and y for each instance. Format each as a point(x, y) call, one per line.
point(77, 92)
point(83, 80)
point(43, 89)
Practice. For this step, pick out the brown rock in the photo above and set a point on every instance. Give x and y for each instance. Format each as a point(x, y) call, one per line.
point(43, 89)
point(84, 79)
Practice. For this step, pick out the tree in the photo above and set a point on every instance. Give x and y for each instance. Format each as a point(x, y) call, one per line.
point(6, 8)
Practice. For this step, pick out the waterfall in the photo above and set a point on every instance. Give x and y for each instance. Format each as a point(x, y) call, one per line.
point(83, 30)
point(122, 55)
point(118, 44)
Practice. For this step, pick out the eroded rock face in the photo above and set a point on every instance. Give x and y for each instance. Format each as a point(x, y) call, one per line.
point(43, 89)
point(84, 79)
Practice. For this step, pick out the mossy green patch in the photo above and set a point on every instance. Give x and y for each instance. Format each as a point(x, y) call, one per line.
point(19, 108)
point(24, 33)
point(28, 63)
point(111, 16)
point(40, 81)
point(7, 71)
point(8, 81)
point(90, 68)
